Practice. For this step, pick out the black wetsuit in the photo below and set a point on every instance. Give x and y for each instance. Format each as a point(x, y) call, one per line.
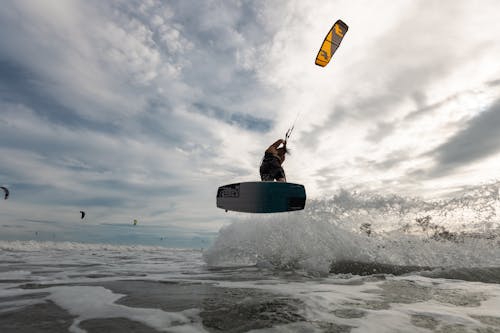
point(270, 168)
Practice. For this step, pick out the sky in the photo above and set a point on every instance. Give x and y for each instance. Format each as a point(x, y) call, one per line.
point(141, 109)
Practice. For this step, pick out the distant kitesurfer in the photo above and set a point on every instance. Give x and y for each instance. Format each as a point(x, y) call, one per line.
point(270, 168)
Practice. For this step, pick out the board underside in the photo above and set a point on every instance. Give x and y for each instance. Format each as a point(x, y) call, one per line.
point(261, 197)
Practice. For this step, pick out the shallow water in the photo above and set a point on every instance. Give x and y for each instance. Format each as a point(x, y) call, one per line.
point(58, 287)
point(350, 263)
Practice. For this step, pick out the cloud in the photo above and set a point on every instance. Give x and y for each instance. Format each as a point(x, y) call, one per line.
point(391, 160)
point(245, 121)
point(383, 129)
point(101, 104)
point(20, 86)
point(494, 83)
point(400, 63)
point(408, 119)
point(143, 108)
point(477, 140)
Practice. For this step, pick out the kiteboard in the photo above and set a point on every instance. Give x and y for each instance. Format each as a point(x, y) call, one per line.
point(261, 197)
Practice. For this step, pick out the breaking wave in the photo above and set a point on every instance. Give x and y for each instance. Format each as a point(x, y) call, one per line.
point(358, 233)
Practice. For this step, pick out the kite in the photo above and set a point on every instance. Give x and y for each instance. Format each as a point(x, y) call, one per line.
point(6, 191)
point(331, 43)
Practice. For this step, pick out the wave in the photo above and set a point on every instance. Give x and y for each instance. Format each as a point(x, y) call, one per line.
point(369, 228)
point(33, 246)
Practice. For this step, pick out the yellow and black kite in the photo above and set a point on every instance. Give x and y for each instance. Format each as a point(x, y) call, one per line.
point(331, 43)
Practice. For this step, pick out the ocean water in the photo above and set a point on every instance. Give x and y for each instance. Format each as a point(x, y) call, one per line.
point(354, 262)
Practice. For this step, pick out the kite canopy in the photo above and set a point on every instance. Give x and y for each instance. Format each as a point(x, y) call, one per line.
point(6, 191)
point(331, 43)
point(83, 214)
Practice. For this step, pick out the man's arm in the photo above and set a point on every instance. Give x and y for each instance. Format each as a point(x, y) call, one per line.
point(277, 144)
point(272, 148)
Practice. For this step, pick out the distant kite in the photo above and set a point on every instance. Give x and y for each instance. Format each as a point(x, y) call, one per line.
point(83, 214)
point(331, 43)
point(6, 190)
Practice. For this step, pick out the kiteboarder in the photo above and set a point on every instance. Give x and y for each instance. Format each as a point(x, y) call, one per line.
point(270, 168)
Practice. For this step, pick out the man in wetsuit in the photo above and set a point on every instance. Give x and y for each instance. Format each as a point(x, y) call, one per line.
point(270, 168)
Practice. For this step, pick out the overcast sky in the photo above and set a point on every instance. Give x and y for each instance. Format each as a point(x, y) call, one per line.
point(141, 109)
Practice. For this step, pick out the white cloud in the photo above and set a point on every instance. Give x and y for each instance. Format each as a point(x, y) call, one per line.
point(149, 104)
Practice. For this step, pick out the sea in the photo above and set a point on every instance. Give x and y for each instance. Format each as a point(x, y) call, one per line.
point(351, 262)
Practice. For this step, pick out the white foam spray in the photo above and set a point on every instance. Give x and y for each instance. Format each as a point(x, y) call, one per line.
point(462, 231)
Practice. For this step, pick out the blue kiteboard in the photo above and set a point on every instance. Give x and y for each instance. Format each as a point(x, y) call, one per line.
point(261, 197)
